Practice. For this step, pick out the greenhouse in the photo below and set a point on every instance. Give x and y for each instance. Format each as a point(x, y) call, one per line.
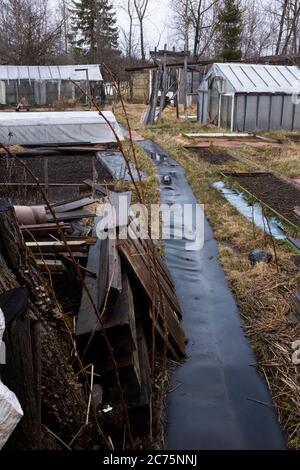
point(250, 97)
point(45, 85)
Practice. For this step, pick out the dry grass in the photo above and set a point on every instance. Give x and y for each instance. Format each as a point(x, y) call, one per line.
point(264, 296)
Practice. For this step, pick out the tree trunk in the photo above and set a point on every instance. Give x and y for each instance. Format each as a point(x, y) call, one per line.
point(63, 402)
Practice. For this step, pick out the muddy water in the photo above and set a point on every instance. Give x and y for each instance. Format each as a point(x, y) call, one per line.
point(219, 401)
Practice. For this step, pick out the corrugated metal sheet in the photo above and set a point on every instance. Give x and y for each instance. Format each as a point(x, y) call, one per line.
point(255, 78)
point(50, 72)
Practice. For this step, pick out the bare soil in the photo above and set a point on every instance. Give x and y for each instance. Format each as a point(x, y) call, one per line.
point(62, 169)
point(276, 193)
point(215, 158)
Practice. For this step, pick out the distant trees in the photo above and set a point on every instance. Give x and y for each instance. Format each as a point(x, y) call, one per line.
point(195, 24)
point(29, 34)
point(230, 30)
point(141, 7)
point(94, 28)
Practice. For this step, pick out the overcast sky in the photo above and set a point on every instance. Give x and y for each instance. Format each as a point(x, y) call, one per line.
point(156, 24)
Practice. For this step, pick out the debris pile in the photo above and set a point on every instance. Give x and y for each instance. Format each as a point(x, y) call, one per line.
point(114, 300)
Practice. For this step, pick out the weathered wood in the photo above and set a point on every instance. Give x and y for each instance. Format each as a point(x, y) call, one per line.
point(79, 214)
point(43, 230)
point(129, 373)
point(99, 188)
point(87, 319)
point(141, 269)
point(118, 322)
point(144, 248)
point(70, 206)
point(110, 275)
point(139, 407)
point(57, 246)
point(21, 373)
point(121, 210)
point(62, 399)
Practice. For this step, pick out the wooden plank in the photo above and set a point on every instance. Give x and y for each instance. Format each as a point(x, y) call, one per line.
point(87, 318)
point(145, 280)
point(218, 135)
point(111, 273)
point(119, 324)
point(80, 214)
point(129, 374)
point(50, 185)
point(43, 230)
point(162, 279)
point(83, 149)
point(56, 246)
point(53, 265)
point(99, 188)
point(119, 321)
point(122, 210)
point(70, 206)
point(139, 407)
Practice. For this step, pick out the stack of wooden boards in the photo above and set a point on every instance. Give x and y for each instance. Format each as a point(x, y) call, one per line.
point(130, 288)
point(44, 239)
point(128, 296)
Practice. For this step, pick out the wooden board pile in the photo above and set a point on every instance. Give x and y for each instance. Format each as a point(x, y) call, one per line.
point(128, 296)
point(42, 233)
point(130, 284)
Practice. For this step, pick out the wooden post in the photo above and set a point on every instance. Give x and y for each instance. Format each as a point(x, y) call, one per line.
point(46, 175)
point(185, 84)
point(164, 85)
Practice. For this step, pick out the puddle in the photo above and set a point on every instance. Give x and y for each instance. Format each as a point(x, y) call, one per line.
point(252, 212)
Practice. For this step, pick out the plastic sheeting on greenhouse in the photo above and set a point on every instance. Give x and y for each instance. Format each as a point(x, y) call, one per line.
point(250, 97)
point(51, 72)
point(50, 128)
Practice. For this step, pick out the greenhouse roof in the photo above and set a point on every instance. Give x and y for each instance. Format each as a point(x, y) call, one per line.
point(50, 72)
point(256, 78)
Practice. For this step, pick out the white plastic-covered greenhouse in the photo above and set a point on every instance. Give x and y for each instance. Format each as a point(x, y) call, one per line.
point(42, 85)
point(250, 97)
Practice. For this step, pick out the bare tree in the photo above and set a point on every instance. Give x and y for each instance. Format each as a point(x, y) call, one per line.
point(204, 24)
point(285, 16)
point(195, 23)
point(65, 17)
point(27, 34)
point(128, 35)
point(141, 7)
point(182, 21)
point(258, 35)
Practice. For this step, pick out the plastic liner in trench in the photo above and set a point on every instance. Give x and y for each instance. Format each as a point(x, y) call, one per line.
point(219, 400)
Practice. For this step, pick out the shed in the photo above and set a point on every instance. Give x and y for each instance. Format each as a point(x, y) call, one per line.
point(250, 97)
point(42, 85)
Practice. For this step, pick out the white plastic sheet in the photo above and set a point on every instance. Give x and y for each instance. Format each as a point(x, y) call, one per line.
point(51, 72)
point(50, 128)
point(10, 408)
